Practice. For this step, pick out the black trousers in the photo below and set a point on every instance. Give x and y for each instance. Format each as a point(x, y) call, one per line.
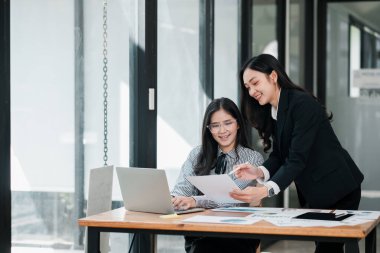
point(220, 245)
point(349, 202)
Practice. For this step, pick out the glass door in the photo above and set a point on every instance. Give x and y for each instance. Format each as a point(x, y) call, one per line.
point(353, 86)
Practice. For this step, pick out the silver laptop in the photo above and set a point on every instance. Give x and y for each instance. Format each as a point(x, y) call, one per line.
point(147, 190)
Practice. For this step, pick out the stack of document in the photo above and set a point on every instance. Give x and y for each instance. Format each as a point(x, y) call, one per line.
point(287, 217)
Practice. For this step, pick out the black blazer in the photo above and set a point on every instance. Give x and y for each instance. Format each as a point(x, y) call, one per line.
point(307, 151)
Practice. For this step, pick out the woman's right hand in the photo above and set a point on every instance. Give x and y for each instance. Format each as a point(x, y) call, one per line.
point(182, 202)
point(250, 194)
point(248, 171)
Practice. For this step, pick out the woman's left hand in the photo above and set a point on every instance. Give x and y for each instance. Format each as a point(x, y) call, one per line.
point(250, 194)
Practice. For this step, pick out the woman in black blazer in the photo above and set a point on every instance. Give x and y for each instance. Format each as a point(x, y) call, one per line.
point(305, 147)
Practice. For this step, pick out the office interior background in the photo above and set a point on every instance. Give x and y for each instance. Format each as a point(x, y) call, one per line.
point(54, 83)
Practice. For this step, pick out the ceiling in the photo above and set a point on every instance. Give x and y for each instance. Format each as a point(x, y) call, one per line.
point(367, 11)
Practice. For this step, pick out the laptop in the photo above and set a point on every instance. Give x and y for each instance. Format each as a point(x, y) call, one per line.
point(147, 190)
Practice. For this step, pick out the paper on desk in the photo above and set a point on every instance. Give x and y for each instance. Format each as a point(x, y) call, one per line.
point(302, 223)
point(240, 209)
point(285, 218)
point(215, 187)
point(277, 213)
point(262, 210)
point(363, 214)
point(220, 219)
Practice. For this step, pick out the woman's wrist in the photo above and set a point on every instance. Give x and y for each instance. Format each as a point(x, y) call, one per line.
point(193, 202)
point(261, 173)
point(264, 190)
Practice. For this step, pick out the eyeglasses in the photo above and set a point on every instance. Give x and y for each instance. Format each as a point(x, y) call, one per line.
point(215, 127)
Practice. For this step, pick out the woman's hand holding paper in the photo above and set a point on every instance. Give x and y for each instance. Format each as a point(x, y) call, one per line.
point(250, 194)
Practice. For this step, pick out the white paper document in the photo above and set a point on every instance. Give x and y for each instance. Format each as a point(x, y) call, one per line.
point(215, 187)
point(220, 219)
point(286, 217)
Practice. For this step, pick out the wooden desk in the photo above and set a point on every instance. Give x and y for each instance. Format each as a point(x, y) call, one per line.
point(120, 220)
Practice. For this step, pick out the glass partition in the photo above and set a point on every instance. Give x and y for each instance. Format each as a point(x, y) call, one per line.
point(44, 56)
point(356, 109)
point(264, 27)
point(180, 97)
point(226, 61)
point(42, 123)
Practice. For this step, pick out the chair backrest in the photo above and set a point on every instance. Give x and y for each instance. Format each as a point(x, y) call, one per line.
point(100, 199)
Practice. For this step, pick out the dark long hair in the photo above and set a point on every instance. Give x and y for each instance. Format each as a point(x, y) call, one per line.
point(209, 149)
point(257, 115)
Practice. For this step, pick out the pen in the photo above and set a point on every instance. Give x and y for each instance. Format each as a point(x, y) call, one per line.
point(340, 215)
point(232, 171)
point(236, 169)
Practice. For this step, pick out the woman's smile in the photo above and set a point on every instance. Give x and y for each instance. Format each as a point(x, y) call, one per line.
point(257, 95)
point(224, 137)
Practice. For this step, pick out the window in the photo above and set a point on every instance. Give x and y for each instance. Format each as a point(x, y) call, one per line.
point(48, 92)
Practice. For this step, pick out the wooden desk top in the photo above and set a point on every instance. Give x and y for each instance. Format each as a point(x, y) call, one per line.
point(120, 218)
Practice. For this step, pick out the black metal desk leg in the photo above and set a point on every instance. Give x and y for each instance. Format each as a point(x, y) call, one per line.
point(351, 246)
point(370, 242)
point(93, 240)
point(143, 243)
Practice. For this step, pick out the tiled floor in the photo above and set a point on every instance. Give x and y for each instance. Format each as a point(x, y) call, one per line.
point(305, 247)
point(290, 247)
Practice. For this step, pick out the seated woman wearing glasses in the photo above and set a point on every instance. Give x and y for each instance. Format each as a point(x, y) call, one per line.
point(224, 144)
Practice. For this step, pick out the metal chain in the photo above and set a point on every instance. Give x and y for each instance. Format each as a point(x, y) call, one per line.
point(105, 84)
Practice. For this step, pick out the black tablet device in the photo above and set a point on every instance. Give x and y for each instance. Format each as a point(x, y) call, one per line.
point(322, 216)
